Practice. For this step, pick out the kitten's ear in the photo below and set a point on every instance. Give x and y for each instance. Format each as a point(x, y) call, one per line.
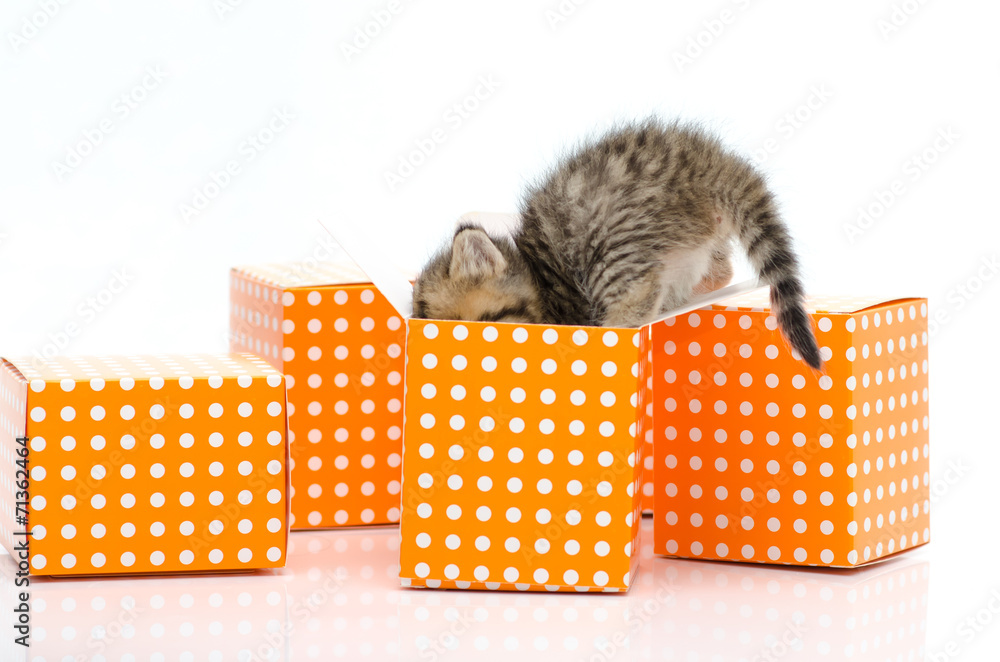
point(474, 256)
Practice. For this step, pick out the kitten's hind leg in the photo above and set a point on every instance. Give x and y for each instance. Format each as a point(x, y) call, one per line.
point(720, 272)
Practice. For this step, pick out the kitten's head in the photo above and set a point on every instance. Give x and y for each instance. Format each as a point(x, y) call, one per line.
point(477, 278)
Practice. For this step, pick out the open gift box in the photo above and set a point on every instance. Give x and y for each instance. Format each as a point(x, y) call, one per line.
point(760, 459)
point(524, 443)
point(340, 345)
point(522, 455)
point(521, 464)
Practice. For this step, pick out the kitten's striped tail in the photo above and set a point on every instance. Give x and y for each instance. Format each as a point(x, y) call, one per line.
point(769, 247)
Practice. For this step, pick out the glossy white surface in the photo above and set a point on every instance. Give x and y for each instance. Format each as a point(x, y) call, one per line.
point(339, 598)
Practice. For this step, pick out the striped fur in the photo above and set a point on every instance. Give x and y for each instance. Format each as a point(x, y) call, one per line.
point(622, 230)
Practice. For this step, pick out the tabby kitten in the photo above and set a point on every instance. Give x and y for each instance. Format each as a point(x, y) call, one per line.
point(623, 230)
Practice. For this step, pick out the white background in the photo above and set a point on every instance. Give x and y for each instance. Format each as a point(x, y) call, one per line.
point(885, 94)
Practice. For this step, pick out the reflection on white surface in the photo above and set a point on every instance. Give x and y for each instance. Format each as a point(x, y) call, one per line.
point(453, 625)
point(339, 598)
point(750, 613)
point(343, 587)
point(150, 619)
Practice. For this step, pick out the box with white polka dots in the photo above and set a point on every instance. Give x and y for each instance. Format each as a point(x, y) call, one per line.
point(145, 464)
point(522, 465)
point(758, 458)
point(340, 345)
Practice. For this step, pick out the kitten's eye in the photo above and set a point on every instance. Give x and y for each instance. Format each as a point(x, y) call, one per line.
point(518, 312)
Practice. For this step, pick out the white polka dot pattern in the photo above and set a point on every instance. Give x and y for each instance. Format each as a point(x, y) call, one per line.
point(340, 346)
point(759, 459)
point(522, 468)
point(646, 429)
point(149, 463)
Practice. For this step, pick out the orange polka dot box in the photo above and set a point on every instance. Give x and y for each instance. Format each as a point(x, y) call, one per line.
point(522, 466)
point(340, 345)
point(143, 464)
point(759, 459)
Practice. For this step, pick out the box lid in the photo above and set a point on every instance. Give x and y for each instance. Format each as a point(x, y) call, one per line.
point(305, 273)
point(38, 371)
point(838, 305)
